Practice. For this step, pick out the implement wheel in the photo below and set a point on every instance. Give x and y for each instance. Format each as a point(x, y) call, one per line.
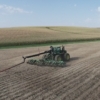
point(58, 58)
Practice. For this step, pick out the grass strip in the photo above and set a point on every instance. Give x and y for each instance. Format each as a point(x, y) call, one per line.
point(44, 43)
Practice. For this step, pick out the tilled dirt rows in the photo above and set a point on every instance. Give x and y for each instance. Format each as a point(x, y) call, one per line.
point(79, 80)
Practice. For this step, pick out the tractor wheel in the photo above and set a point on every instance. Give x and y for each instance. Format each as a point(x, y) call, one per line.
point(66, 57)
point(58, 58)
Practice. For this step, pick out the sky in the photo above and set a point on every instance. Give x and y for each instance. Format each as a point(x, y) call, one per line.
point(81, 13)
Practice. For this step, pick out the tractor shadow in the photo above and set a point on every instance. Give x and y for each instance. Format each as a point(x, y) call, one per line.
point(72, 60)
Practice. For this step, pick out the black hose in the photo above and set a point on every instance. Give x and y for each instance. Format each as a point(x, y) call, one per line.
point(12, 67)
point(24, 60)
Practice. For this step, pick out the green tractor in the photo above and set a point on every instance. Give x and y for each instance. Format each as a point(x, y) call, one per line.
point(56, 56)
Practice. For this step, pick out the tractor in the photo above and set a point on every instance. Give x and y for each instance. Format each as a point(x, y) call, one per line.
point(56, 56)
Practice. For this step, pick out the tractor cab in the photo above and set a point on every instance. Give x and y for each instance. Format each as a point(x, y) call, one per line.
point(58, 50)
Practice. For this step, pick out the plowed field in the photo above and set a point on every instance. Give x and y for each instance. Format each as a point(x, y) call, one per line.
point(79, 80)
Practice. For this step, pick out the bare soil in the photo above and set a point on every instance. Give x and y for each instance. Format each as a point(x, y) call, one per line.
point(79, 80)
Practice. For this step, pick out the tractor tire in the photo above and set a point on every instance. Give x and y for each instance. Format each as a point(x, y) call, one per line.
point(66, 57)
point(58, 58)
